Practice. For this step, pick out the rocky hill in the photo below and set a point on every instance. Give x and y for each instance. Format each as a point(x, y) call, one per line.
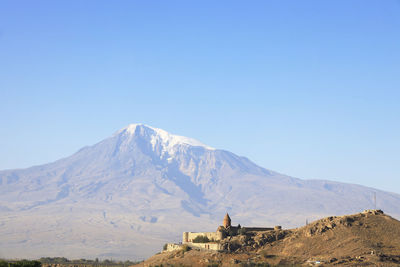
point(119, 198)
point(370, 238)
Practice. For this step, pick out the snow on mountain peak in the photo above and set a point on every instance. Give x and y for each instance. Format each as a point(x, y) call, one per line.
point(157, 136)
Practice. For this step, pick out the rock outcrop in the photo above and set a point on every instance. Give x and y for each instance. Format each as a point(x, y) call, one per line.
point(367, 238)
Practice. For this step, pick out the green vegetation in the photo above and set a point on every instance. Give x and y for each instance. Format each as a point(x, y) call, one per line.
point(185, 248)
point(255, 265)
point(265, 264)
point(242, 231)
point(266, 255)
point(65, 262)
point(231, 232)
point(20, 263)
point(201, 239)
point(85, 262)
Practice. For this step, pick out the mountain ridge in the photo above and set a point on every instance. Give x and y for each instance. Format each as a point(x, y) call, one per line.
point(135, 184)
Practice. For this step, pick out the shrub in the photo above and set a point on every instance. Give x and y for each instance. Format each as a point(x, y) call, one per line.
point(266, 255)
point(251, 264)
point(22, 263)
point(242, 231)
point(231, 232)
point(185, 248)
point(165, 246)
point(201, 239)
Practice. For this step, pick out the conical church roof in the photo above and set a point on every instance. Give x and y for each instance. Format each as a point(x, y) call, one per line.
point(227, 221)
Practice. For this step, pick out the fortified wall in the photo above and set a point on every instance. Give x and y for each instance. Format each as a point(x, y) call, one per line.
point(172, 247)
point(189, 236)
point(206, 246)
point(214, 238)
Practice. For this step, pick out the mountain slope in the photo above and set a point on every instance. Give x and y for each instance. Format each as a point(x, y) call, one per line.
point(121, 196)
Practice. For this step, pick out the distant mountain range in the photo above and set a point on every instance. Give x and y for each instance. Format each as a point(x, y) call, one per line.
point(127, 195)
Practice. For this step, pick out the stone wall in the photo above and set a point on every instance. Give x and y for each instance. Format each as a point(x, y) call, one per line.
point(205, 246)
point(173, 246)
point(189, 236)
point(257, 229)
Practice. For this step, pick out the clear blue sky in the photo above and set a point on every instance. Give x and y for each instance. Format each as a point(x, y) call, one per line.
point(307, 88)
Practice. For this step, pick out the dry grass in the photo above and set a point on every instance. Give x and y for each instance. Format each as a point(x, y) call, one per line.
point(344, 240)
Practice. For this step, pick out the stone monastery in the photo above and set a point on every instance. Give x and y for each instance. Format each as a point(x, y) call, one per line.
point(212, 240)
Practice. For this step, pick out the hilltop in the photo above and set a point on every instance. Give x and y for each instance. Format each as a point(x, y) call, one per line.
point(367, 238)
point(118, 198)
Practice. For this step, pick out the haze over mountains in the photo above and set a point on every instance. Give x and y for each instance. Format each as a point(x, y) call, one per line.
point(127, 195)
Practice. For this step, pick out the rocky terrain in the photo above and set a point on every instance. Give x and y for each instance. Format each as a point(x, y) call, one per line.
point(119, 198)
point(370, 238)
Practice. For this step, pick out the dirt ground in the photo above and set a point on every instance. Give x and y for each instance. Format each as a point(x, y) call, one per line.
point(370, 238)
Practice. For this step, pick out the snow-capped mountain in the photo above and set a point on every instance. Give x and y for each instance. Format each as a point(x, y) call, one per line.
point(127, 195)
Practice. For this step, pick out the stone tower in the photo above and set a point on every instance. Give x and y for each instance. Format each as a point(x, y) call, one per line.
point(227, 221)
point(185, 237)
